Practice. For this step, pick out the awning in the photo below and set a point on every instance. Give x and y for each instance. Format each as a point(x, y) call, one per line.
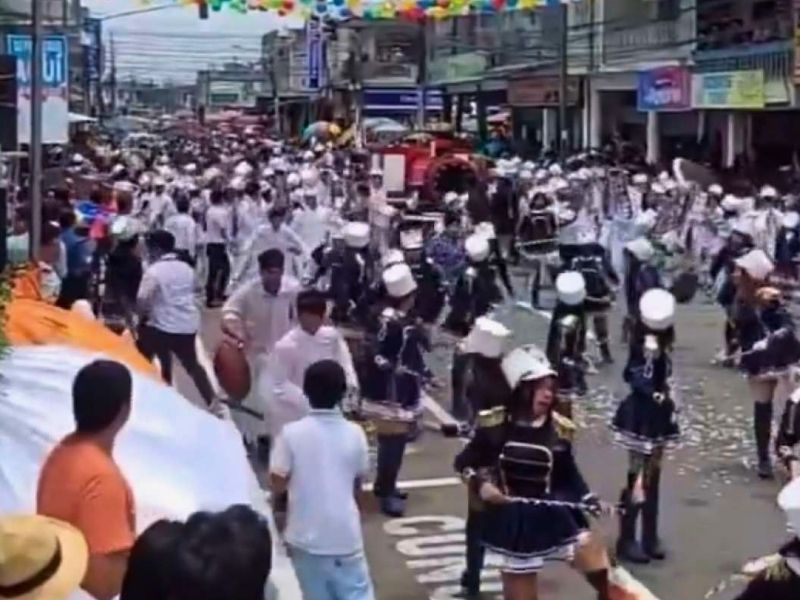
point(79, 118)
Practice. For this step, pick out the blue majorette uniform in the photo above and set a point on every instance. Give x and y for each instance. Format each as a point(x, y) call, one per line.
point(645, 423)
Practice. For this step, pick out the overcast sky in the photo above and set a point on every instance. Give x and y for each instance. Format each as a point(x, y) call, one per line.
point(174, 43)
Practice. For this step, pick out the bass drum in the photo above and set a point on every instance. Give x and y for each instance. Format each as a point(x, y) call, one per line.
point(449, 174)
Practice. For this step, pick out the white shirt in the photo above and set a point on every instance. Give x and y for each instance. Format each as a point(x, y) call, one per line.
point(322, 454)
point(313, 226)
point(298, 350)
point(261, 318)
point(266, 238)
point(218, 224)
point(166, 296)
point(161, 207)
point(184, 229)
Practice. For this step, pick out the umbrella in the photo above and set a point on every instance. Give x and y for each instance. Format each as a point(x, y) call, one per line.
point(687, 172)
point(322, 130)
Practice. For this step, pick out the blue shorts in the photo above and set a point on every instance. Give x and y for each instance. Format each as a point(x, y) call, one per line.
point(332, 577)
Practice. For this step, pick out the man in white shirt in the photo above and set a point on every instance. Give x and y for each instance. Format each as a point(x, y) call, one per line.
point(306, 343)
point(218, 236)
point(161, 205)
point(275, 234)
point(320, 460)
point(169, 315)
point(256, 316)
point(184, 229)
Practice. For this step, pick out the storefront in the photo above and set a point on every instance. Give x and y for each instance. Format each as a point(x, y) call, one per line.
point(400, 103)
point(664, 96)
point(534, 102)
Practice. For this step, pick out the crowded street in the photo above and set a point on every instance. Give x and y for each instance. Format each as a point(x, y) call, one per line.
point(399, 300)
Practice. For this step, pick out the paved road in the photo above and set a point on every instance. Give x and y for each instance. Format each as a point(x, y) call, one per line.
point(717, 514)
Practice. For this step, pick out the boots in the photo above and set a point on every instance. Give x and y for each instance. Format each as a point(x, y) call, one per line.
point(599, 581)
point(650, 541)
point(762, 421)
point(390, 458)
point(628, 547)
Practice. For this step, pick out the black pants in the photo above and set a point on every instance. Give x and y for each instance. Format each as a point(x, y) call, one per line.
point(154, 342)
point(73, 287)
point(475, 548)
point(219, 270)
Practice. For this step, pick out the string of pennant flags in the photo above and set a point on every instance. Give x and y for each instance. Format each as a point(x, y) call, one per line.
point(411, 10)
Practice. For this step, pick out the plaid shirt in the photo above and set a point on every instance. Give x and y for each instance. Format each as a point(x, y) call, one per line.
point(448, 254)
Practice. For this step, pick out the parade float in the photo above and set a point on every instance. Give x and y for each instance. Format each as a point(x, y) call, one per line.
point(177, 457)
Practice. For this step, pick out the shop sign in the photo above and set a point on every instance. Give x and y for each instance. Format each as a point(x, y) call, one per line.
point(541, 91)
point(729, 89)
point(468, 65)
point(664, 89)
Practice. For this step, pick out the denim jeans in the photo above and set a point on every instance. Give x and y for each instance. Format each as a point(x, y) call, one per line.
point(332, 577)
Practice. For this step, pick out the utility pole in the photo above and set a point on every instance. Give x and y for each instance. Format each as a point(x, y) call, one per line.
point(563, 137)
point(113, 82)
point(422, 73)
point(35, 145)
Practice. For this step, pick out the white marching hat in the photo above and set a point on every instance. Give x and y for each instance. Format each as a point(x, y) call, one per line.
point(715, 189)
point(789, 501)
point(768, 191)
point(399, 280)
point(526, 363)
point(641, 248)
point(657, 308)
point(477, 247)
point(450, 197)
point(293, 180)
point(732, 203)
point(376, 172)
point(487, 338)
point(640, 178)
point(571, 287)
point(393, 256)
point(756, 264)
point(356, 234)
point(790, 220)
point(243, 169)
point(486, 229)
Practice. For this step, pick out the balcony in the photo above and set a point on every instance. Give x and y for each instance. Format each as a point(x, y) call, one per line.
point(631, 44)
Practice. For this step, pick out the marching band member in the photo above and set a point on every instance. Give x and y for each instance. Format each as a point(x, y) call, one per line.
point(645, 424)
point(486, 390)
point(431, 292)
point(537, 234)
point(788, 437)
point(565, 340)
point(768, 344)
point(524, 471)
point(640, 275)
point(392, 383)
point(351, 271)
point(780, 579)
point(475, 293)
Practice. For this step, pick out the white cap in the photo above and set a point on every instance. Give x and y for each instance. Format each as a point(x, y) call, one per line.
point(789, 501)
point(477, 247)
point(571, 288)
point(756, 264)
point(541, 175)
point(555, 170)
point(663, 176)
point(487, 338)
point(486, 229)
point(393, 256)
point(450, 197)
point(308, 176)
point(356, 234)
point(190, 168)
point(237, 183)
point(558, 183)
point(376, 172)
point(658, 188)
point(525, 175)
point(293, 179)
point(790, 220)
point(768, 191)
point(657, 308)
point(641, 248)
point(268, 172)
point(118, 168)
point(308, 156)
point(399, 281)
point(243, 169)
point(124, 186)
point(640, 178)
point(732, 203)
point(77, 159)
point(159, 182)
point(526, 363)
point(715, 189)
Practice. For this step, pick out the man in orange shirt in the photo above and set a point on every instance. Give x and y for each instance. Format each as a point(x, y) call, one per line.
point(81, 484)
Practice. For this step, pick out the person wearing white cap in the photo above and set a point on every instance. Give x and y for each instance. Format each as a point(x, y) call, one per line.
point(537, 235)
point(161, 204)
point(532, 516)
point(566, 340)
point(431, 293)
point(392, 383)
point(640, 275)
point(769, 346)
point(779, 575)
point(474, 295)
point(486, 391)
point(645, 423)
point(351, 269)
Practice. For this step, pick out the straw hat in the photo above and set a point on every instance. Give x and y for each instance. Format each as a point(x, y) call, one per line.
point(40, 558)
